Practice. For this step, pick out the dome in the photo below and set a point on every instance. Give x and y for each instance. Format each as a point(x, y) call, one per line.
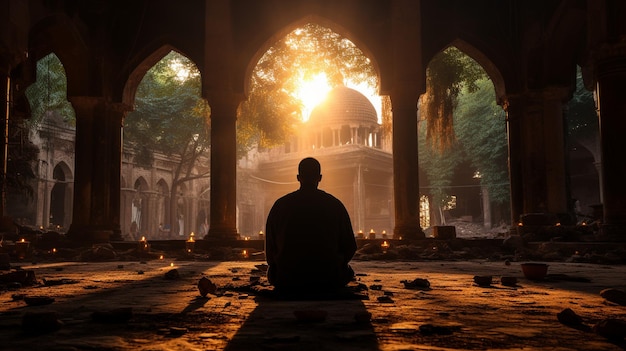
point(344, 106)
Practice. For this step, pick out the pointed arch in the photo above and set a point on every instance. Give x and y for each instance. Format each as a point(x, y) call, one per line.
point(59, 35)
point(277, 35)
point(139, 71)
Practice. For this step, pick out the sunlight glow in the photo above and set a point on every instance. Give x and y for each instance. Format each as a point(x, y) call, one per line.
point(182, 73)
point(311, 92)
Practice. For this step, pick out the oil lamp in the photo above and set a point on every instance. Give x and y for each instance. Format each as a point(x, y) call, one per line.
point(190, 244)
point(21, 248)
point(372, 234)
point(385, 245)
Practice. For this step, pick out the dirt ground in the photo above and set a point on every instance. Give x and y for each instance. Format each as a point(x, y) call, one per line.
point(147, 306)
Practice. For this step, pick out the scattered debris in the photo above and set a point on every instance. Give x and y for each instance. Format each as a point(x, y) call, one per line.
point(508, 281)
point(569, 318)
point(614, 295)
point(483, 280)
point(206, 286)
point(62, 281)
point(24, 277)
point(431, 329)
point(611, 328)
point(385, 299)
point(417, 283)
point(38, 300)
point(172, 274)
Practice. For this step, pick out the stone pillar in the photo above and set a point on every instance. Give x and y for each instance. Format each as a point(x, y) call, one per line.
point(98, 165)
point(223, 166)
point(611, 74)
point(537, 165)
point(405, 165)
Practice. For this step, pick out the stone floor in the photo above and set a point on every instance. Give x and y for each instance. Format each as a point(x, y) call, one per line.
point(170, 314)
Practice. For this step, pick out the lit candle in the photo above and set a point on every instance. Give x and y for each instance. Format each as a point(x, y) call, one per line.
point(372, 234)
point(384, 234)
point(21, 248)
point(360, 234)
point(190, 244)
point(244, 253)
point(384, 246)
point(558, 224)
point(143, 245)
point(161, 257)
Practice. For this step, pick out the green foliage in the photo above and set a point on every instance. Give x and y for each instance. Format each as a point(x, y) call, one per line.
point(480, 126)
point(582, 119)
point(438, 166)
point(448, 73)
point(271, 113)
point(170, 116)
point(48, 94)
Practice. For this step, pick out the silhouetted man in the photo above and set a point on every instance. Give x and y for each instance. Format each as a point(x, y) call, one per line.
point(309, 238)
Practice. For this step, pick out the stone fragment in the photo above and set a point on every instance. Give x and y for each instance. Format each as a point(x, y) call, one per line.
point(24, 277)
point(483, 280)
point(569, 317)
point(178, 331)
point(41, 322)
point(206, 286)
point(614, 295)
point(38, 300)
point(431, 329)
point(508, 281)
point(417, 283)
point(611, 328)
point(376, 287)
point(172, 274)
point(385, 299)
point(117, 315)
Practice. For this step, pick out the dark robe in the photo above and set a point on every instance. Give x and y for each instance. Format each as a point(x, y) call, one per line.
point(309, 242)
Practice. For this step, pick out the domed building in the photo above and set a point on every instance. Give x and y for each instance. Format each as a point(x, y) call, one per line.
point(344, 134)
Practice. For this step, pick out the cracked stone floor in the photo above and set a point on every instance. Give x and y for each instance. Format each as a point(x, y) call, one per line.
point(170, 314)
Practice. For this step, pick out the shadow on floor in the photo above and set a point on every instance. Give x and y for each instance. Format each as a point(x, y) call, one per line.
point(273, 326)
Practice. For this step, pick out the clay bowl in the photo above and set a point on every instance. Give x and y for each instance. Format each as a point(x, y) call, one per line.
point(534, 271)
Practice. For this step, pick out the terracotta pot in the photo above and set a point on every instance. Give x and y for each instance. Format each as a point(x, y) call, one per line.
point(534, 271)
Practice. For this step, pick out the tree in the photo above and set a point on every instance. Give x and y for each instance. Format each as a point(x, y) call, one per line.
point(170, 117)
point(447, 74)
point(272, 112)
point(479, 124)
point(48, 94)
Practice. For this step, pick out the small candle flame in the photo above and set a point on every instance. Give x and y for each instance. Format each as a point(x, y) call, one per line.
point(372, 231)
point(385, 245)
point(143, 238)
point(161, 257)
point(172, 264)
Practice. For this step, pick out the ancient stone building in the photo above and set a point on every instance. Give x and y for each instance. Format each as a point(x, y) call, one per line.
point(344, 134)
point(529, 48)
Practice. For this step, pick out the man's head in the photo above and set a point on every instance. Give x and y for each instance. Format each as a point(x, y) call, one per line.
point(309, 172)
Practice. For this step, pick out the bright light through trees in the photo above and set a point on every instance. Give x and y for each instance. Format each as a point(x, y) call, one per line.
point(311, 92)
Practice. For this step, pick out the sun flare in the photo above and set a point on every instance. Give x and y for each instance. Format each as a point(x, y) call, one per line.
point(311, 92)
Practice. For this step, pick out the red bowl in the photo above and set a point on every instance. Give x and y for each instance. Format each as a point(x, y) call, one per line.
point(534, 271)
